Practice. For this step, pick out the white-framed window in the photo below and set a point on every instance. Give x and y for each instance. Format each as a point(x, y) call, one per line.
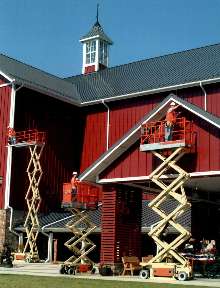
point(90, 52)
point(103, 53)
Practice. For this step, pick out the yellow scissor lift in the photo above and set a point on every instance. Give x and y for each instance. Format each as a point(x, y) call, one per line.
point(168, 262)
point(80, 225)
point(35, 141)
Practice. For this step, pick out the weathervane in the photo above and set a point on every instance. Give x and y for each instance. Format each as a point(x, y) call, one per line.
point(97, 13)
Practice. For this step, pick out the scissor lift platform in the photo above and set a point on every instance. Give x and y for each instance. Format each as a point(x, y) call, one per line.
point(34, 140)
point(79, 203)
point(153, 135)
point(168, 262)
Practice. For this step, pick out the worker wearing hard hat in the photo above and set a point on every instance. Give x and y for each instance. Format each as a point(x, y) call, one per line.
point(170, 120)
point(11, 136)
point(74, 182)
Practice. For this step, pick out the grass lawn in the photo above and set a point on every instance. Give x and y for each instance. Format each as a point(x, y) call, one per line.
point(20, 281)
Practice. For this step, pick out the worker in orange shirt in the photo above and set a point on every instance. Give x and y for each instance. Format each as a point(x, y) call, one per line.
point(170, 121)
point(11, 136)
point(74, 182)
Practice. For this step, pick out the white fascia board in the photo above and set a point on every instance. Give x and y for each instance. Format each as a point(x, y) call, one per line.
point(89, 38)
point(6, 76)
point(194, 112)
point(120, 144)
point(152, 91)
point(168, 176)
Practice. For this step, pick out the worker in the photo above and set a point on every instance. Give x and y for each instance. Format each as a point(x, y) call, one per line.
point(11, 136)
point(74, 182)
point(170, 121)
point(211, 247)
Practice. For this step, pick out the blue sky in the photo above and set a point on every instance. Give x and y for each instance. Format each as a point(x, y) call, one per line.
point(46, 33)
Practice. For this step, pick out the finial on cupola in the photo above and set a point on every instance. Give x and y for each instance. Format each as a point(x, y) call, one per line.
point(97, 14)
point(95, 48)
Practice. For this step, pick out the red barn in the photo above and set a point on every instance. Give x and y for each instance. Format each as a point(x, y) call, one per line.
point(93, 125)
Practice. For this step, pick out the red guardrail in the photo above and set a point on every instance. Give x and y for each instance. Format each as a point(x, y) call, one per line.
point(86, 196)
point(30, 136)
point(154, 132)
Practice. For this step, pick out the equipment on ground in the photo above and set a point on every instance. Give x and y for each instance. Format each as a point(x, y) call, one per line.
point(168, 262)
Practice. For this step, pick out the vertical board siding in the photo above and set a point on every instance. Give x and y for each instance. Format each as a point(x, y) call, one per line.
point(125, 114)
point(61, 153)
point(108, 253)
point(5, 101)
point(121, 224)
point(94, 139)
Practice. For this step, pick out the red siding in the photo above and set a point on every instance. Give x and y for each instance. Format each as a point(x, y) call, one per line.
point(121, 224)
point(61, 154)
point(94, 141)
point(124, 115)
point(5, 93)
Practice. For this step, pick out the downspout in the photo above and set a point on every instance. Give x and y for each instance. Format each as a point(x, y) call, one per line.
point(8, 171)
point(205, 96)
point(108, 124)
point(49, 248)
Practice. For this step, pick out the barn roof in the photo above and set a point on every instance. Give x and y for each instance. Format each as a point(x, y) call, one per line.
point(123, 144)
point(165, 73)
point(39, 80)
point(183, 69)
point(56, 222)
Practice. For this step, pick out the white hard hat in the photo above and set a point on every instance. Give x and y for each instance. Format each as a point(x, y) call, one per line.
point(75, 173)
point(172, 104)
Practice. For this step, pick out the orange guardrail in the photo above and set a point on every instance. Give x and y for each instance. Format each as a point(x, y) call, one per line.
point(154, 132)
point(86, 196)
point(30, 136)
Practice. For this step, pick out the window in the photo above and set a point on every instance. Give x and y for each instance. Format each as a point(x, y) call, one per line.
point(103, 53)
point(90, 52)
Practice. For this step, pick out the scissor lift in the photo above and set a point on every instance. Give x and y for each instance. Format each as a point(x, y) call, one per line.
point(168, 262)
point(80, 225)
point(35, 141)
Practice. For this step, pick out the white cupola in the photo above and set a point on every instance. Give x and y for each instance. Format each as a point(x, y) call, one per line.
point(95, 49)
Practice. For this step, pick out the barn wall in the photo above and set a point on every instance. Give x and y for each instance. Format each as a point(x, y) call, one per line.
point(5, 100)
point(61, 153)
point(121, 224)
point(126, 113)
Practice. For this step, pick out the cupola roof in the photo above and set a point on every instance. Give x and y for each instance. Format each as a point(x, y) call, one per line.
point(96, 32)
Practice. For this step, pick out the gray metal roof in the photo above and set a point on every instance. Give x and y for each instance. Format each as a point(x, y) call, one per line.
point(123, 144)
point(164, 71)
point(185, 69)
point(41, 81)
point(98, 32)
point(149, 217)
